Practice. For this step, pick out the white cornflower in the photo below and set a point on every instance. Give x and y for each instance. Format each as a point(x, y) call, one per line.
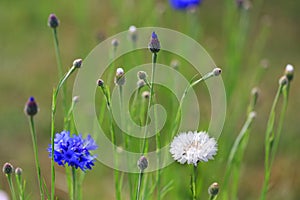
point(193, 147)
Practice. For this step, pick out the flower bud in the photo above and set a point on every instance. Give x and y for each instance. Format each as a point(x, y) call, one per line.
point(255, 94)
point(283, 81)
point(75, 99)
point(142, 75)
point(142, 163)
point(252, 114)
point(175, 64)
point(213, 189)
point(120, 78)
point(146, 94)
point(289, 72)
point(31, 107)
point(140, 83)
point(100, 82)
point(217, 71)
point(8, 168)
point(77, 63)
point(115, 43)
point(18, 171)
point(133, 33)
point(53, 21)
point(154, 45)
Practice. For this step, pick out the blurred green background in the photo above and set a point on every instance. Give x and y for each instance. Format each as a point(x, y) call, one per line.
point(28, 67)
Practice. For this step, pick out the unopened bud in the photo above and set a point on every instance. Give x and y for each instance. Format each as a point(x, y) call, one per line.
point(283, 81)
point(154, 44)
point(217, 71)
point(140, 83)
point(75, 99)
point(120, 78)
point(133, 33)
point(100, 82)
point(142, 163)
point(31, 107)
point(53, 21)
point(255, 94)
point(8, 168)
point(213, 189)
point(18, 171)
point(77, 63)
point(289, 72)
point(142, 75)
point(115, 43)
point(146, 94)
point(175, 64)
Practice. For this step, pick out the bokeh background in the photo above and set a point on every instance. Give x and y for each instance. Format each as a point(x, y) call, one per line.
point(28, 67)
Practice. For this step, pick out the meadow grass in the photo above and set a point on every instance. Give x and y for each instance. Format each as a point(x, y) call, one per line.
point(176, 181)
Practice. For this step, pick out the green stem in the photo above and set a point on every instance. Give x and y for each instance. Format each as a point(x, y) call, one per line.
point(36, 157)
point(20, 187)
point(194, 181)
point(74, 183)
point(53, 111)
point(60, 70)
point(11, 186)
point(269, 139)
point(139, 185)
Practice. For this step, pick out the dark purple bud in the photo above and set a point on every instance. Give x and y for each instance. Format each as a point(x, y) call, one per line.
point(31, 107)
point(154, 45)
point(8, 168)
point(100, 82)
point(77, 63)
point(53, 21)
point(142, 163)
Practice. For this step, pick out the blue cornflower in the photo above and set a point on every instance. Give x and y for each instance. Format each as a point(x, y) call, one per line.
point(73, 150)
point(184, 4)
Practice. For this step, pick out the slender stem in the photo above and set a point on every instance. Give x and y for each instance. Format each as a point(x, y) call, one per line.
point(11, 186)
point(35, 150)
point(268, 144)
point(20, 187)
point(177, 118)
point(74, 183)
point(194, 181)
point(154, 58)
point(139, 185)
point(113, 140)
point(60, 69)
point(53, 111)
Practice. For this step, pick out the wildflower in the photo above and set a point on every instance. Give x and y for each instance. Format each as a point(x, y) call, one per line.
point(53, 21)
point(213, 189)
point(289, 72)
point(193, 147)
point(154, 45)
point(77, 63)
point(120, 78)
point(3, 195)
point(31, 107)
point(73, 150)
point(75, 99)
point(142, 163)
point(184, 4)
point(133, 33)
point(8, 168)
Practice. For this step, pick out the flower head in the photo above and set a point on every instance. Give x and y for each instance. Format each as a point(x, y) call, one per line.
point(73, 150)
point(120, 77)
point(53, 21)
point(142, 163)
point(31, 107)
point(184, 4)
point(8, 168)
point(193, 147)
point(154, 44)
